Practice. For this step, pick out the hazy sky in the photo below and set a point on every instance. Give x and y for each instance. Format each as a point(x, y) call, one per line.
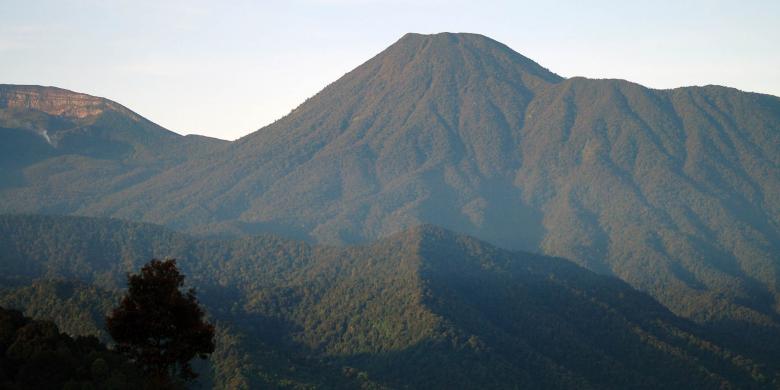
point(227, 68)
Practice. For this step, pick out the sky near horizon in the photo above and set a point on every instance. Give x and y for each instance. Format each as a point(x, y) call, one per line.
point(225, 69)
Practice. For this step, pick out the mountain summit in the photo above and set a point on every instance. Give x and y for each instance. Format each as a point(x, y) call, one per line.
point(675, 191)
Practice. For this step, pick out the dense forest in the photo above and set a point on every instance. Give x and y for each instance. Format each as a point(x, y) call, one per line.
point(676, 192)
point(36, 355)
point(424, 308)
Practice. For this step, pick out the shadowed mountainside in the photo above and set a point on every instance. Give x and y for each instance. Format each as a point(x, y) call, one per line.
point(676, 192)
point(424, 308)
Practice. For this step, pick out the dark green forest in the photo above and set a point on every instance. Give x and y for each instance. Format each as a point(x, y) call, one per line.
point(34, 354)
point(676, 192)
point(425, 308)
point(640, 227)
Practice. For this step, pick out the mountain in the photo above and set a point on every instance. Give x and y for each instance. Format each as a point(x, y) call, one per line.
point(676, 192)
point(60, 150)
point(423, 308)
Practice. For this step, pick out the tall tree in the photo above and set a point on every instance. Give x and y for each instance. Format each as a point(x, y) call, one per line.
point(159, 326)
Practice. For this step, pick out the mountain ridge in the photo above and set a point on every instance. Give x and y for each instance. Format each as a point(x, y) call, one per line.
point(51, 138)
point(676, 191)
point(57, 101)
point(425, 307)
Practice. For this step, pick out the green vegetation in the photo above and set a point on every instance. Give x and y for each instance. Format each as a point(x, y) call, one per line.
point(424, 308)
point(676, 192)
point(84, 146)
point(35, 355)
point(78, 308)
point(160, 328)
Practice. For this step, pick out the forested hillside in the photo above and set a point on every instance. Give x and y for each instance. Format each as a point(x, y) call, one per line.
point(423, 308)
point(676, 192)
point(61, 150)
point(35, 355)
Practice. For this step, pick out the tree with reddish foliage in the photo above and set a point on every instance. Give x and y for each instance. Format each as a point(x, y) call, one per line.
point(160, 327)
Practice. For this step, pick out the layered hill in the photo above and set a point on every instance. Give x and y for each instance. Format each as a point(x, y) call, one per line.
point(424, 308)
point(676, 192)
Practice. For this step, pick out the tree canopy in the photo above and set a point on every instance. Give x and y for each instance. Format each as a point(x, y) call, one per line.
point(159, 326)
point(34, 354)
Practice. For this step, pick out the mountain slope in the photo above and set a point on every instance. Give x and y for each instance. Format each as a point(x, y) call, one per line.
point(676, 191)
point(60, 149)
point(424, 308)
point(371, 138)
point(78, 123)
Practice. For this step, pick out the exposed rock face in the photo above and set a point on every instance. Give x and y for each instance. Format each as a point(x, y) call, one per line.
point(59, 102)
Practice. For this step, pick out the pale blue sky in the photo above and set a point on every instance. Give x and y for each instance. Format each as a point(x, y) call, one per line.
point(227, 68)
